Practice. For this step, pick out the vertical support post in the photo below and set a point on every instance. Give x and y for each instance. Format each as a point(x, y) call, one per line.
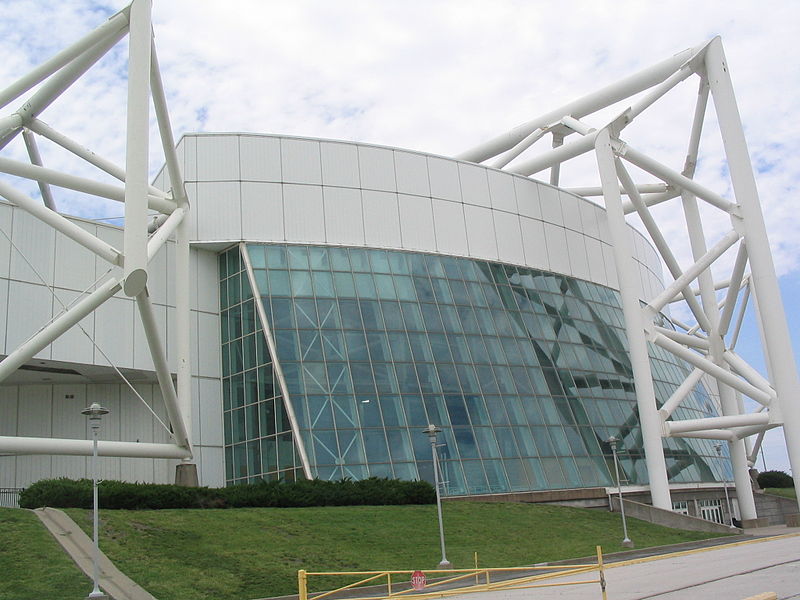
point(634, 327)
point(302, 585)
point(764, 280)
point(183, 340)
point(137, 145)
point(602, 573)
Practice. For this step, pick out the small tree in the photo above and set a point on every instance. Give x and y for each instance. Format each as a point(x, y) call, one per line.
point(775, 479)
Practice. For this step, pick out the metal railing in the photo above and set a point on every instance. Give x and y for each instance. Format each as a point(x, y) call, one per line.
point(451, 582)
point(9, 497)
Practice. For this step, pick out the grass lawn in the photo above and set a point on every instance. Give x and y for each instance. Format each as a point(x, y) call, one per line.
point(255, 553)
point(32, 563)
point(785, 492)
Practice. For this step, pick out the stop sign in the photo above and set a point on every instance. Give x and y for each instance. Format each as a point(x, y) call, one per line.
point(418, 580)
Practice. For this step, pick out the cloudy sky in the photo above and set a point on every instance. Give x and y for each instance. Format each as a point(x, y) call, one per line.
point(436, 76)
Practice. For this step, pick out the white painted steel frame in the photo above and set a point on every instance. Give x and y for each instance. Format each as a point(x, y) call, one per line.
point(708, 344)
point(130, 265)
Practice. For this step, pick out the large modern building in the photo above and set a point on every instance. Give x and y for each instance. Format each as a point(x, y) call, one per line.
point(345, 296)
point(281, 307)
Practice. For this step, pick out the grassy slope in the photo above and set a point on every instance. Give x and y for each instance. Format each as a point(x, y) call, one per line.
point(785, 492)
point(32, 564)
point(255, 553)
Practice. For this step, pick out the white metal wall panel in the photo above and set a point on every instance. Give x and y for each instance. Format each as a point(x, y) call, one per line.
point(303, 214)
point(527, 193)
point(191, 193)
point(210, 395)
point(262, 211)
point(113, 236)
point(159, 274)
point(38, 303)
point(577, 255)
point(74, 345)
point(208, 337)
point(381, 219)
point(571, 211)
point(218, 157)
point(206, 297)
point(376, 166)
point(4, 307)
point(344, 221)
point(260, 158)
point(509, 237)
point(551, 205)
point(474, 185)
point(339, 164)
point(8, 409)
point(300, 161)
point(218, 211)
point(114, 332)
point(68, 422)
point(597, 266)
point(36, 245)
point(35, 417)
point(211, 471)
point(590, 218)
point(443, 175)
point(480, 232)
point(534, 244)
point(141, 351)
point(416, 222)
point(450, 228)
point(556, 240)
point(135, 422)
point(412, 173)
point(501, 190)
point(188, 145)
point(5, 245)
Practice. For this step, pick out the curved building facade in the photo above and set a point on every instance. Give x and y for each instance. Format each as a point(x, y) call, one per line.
point(366, 292)
point(343, 297)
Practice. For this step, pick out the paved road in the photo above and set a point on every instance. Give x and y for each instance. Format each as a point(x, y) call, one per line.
point(731, 572)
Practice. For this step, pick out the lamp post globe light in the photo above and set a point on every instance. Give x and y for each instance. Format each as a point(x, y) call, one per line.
point(718, 448)
point(432, 431)
point(95, 413)
point(626, 541)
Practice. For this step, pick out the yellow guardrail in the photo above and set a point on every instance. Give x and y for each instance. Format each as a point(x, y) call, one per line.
point(448, 581)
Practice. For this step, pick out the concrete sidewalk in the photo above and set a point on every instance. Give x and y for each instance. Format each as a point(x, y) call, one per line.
point(80, 548)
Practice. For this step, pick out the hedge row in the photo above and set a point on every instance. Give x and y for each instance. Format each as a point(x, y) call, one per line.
point(775, 479)
point(70, 493)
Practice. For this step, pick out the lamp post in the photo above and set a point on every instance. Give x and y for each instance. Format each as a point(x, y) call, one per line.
point(626, 541)
point(95, 413)
point(718, 448)
point(432, 431)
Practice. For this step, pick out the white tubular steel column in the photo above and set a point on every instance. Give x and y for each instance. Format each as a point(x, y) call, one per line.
point(138, 134)
point(640, 361)
point(764, 280)
point(162, 370)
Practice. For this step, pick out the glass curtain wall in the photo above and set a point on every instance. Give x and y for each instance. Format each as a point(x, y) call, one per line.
point(526, 372)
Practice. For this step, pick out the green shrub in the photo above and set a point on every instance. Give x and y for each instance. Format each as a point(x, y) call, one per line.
point(775, 479)
point(68, 493)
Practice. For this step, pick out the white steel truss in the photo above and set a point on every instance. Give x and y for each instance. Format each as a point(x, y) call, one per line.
point(129, 265)
point(709, 344)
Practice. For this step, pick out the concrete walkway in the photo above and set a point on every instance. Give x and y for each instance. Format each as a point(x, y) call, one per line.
point(734, 571)
point(80, 548)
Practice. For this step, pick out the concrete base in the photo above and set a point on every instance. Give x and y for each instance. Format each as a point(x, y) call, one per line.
point(628, 544)
point(793, 520)
point(755, 523)
point(98, 597)
point(186, 475)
